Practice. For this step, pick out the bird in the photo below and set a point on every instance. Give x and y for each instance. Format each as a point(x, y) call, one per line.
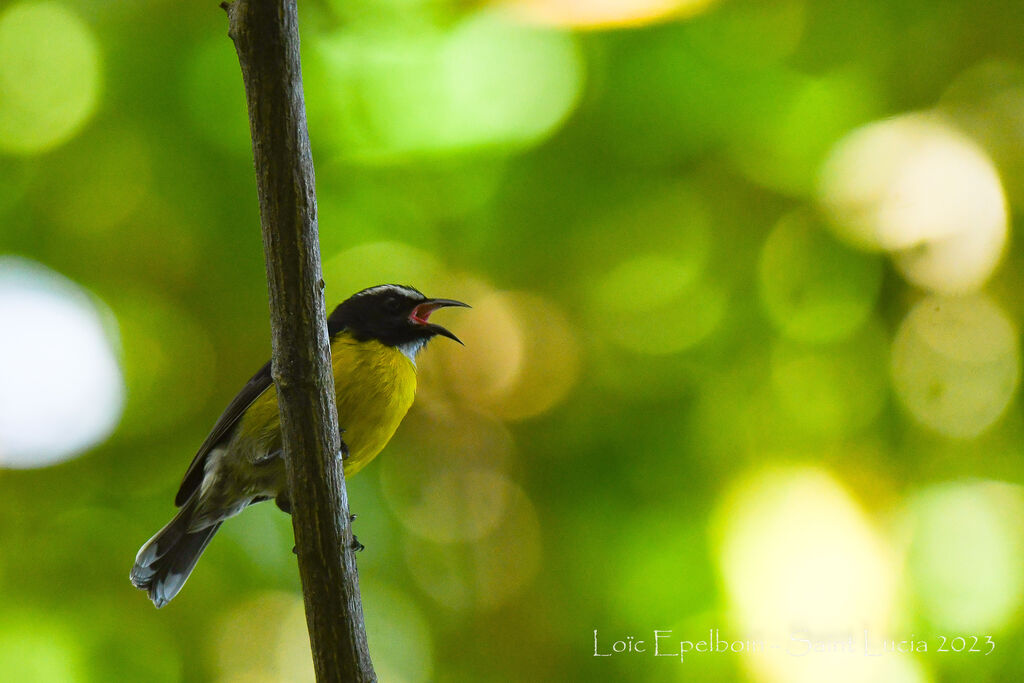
point(375, 335)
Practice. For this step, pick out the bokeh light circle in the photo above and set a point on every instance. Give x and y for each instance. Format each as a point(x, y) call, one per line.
point(490, 364)
point(607, 13)
point(488, 81)
point(61, 389)
point(49, 76)
point(916, 186)
point(656, 304)
point(265, 640)
point(444, 475)
point(814, 289)
point(965, 557)
point(262, 640)
point(956, 364)
point(784, 146)
point(484, 573)
point(274, 646)
point(987, 101)
point(508, 82)
point(796, 552)
point(521, 356)
point(458, 504)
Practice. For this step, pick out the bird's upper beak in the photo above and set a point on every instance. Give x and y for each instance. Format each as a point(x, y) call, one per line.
point(421, 314)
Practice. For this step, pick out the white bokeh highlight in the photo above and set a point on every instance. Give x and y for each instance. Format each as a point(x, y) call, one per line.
point(916, 187)
point(61, 388)
point(800, 560)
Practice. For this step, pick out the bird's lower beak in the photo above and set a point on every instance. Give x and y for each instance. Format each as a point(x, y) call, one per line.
point(421, 314)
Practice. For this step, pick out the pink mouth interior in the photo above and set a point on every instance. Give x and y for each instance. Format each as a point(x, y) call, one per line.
point(421, 314)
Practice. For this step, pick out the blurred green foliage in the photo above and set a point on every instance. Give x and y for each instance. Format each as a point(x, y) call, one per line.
point(696, 392)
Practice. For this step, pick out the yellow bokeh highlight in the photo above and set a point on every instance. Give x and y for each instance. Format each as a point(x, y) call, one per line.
point(799, 559)
point(965, 559)
point(250, 676)
point(490, 364)
point(956, 364)
point(457, 504)
point(292, 658)
point(49, 76)
point(485, 573)
point(265, 639)
point(443, 476)
point(244, 641)
point(521, 356)
point(552, 359)
point(607, 13)
point(917, 187)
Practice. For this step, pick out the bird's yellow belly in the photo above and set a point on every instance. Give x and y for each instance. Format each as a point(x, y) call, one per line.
point(374, 387)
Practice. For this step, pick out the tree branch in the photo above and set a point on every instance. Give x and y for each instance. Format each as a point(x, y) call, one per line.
point(266, 37)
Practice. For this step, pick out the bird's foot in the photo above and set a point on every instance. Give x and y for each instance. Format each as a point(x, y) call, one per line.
point(356, 545)
point(283, 504)
point(343, 449)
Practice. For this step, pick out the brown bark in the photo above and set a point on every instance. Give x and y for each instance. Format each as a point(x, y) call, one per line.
point(266, 37)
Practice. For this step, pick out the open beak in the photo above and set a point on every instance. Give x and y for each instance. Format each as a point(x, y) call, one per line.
point(421, 315)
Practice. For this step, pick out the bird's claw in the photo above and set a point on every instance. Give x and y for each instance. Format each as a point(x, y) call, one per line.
point(343, 449)
point(355, 545)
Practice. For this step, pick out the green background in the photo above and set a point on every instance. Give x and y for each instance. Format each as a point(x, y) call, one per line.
point(743, 353)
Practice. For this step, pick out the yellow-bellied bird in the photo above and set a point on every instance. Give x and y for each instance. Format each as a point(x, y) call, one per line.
point(375, 336)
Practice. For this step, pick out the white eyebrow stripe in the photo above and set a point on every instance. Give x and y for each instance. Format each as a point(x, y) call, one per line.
point(397, 289)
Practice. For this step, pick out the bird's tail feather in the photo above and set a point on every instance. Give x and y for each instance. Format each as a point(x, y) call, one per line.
point(166, 560)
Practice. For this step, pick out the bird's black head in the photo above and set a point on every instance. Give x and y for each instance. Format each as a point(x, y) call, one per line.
point(395, 315)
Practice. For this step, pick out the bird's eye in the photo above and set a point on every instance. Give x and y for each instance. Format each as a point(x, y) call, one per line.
point(392, 304)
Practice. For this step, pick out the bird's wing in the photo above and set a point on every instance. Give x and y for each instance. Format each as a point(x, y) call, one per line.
point(222, 430)
point(226, 423)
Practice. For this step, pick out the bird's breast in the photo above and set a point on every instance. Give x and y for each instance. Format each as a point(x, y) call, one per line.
point(374, 387)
